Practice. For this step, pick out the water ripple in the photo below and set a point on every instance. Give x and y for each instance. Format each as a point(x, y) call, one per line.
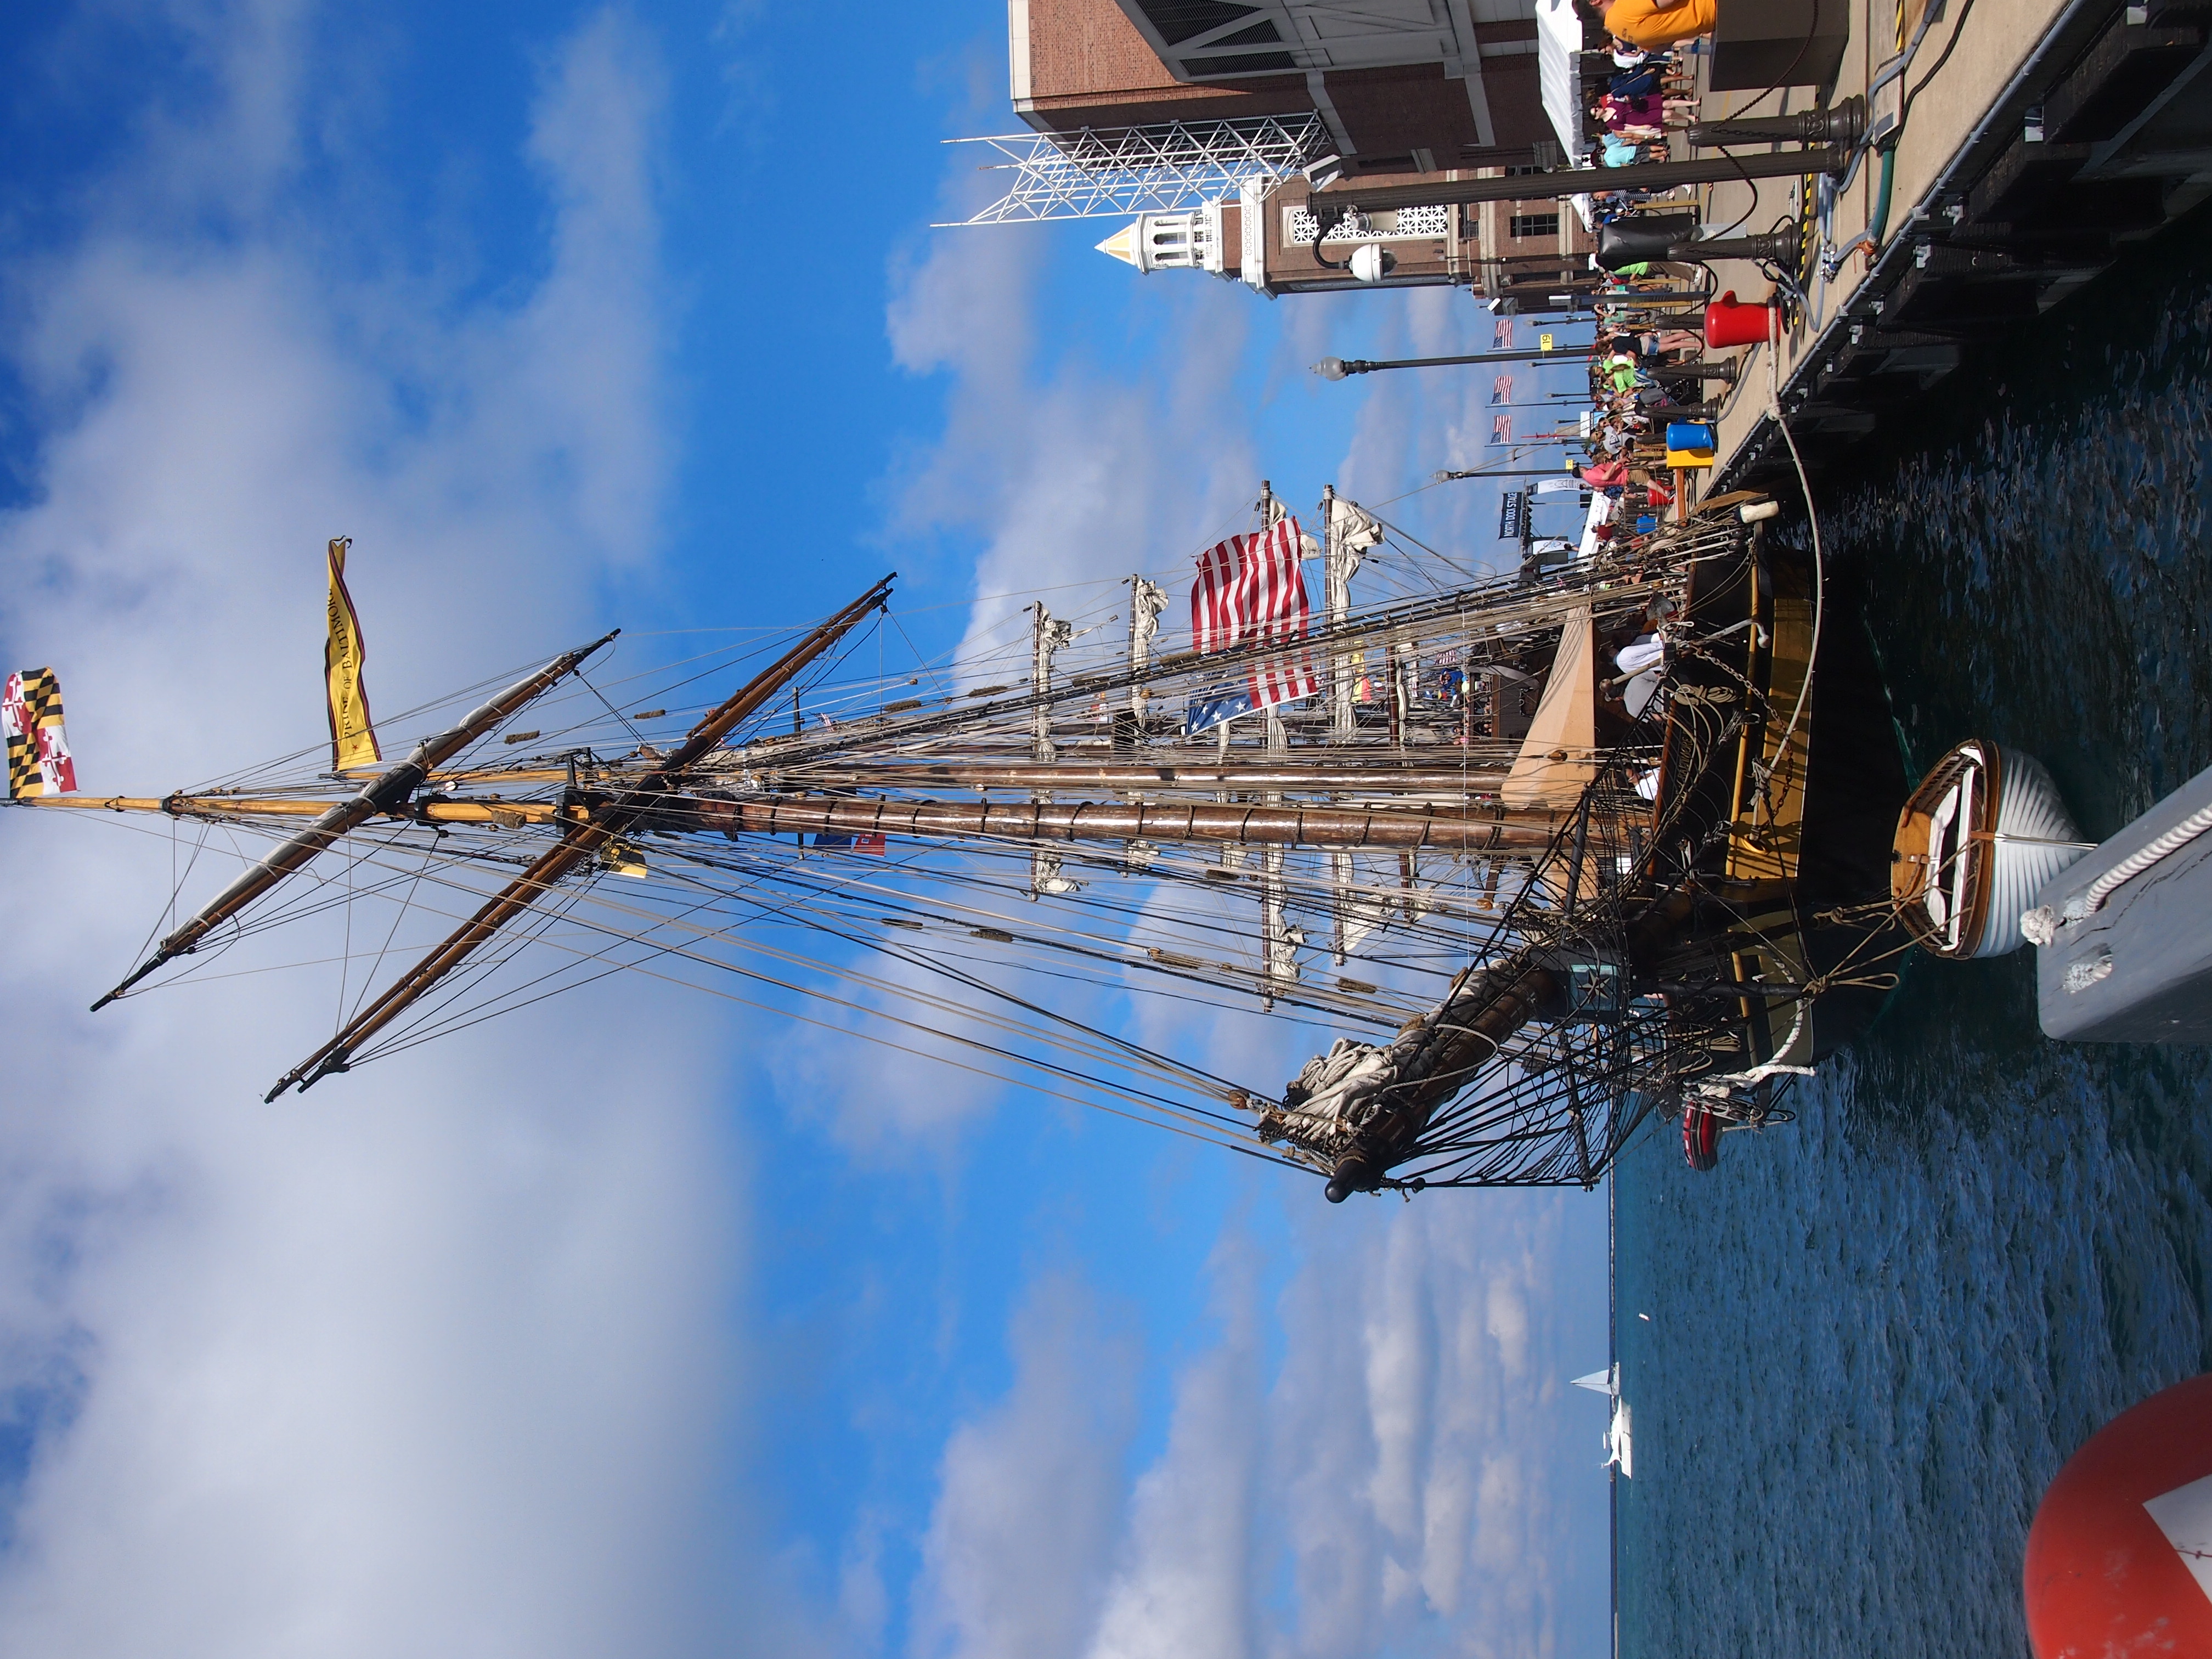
point(1876, 1336)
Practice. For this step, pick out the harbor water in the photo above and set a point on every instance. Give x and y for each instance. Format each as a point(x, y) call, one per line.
point(1858, 1351)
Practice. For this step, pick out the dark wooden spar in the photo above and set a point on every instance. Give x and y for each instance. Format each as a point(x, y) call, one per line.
point(577, 845)
point(390, 790)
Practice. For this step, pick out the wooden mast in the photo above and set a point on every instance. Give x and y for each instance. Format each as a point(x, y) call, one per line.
point(1471, 825)
point(390, 789)
point(1474, 826)
point(576, 846)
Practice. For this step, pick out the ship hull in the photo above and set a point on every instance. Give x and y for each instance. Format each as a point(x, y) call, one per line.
point(1802, 865)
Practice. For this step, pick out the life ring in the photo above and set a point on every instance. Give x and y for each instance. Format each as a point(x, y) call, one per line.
point(2119, 1560)
point(1701, 1137)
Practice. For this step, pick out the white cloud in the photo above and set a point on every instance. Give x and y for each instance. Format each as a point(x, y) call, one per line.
point(1029, 1492)
point(1186, 1584)
point(880, 1087)
point(1069, 473)
point(1388, 1439)
point(434, 1359)
point(1442, 1470)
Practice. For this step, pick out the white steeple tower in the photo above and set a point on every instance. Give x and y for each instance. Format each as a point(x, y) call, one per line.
point(1189, 240)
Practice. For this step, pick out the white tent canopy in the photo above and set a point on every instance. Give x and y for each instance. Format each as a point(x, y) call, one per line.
point(1558, 38)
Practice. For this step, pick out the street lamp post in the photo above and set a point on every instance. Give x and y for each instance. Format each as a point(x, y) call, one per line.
point(1337, 368)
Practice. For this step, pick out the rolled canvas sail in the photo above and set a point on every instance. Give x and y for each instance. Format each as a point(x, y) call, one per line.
point(1558, 756)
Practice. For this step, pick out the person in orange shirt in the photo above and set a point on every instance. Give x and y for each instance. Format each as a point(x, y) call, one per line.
point(1655, 24)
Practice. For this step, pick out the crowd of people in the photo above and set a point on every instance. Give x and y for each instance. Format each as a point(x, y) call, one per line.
point(1649, 95)
point(1647, 380)
point(1648, 403)
point(1645, 377)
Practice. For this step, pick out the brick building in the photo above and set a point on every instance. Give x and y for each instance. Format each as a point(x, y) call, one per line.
point(1407, 90)
point(1524, 251)
point(1404, 86)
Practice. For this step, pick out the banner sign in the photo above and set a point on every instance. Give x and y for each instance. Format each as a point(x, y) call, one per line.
point(1512, 515)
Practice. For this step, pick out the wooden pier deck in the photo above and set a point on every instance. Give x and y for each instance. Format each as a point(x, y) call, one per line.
point(2041, 137)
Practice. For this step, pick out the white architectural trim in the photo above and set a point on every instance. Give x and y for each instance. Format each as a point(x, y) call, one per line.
point(1018, 53)
point(1252, 232)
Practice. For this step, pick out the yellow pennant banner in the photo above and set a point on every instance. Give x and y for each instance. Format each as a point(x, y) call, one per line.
point(353, 734)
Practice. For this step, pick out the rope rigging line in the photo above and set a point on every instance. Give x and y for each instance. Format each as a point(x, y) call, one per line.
point(985, 943)
point(942, 1006)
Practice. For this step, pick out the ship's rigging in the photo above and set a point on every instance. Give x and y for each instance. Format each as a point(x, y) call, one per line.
point(1515, 917)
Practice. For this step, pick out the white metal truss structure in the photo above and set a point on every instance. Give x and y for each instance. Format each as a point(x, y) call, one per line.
point(1164, 168)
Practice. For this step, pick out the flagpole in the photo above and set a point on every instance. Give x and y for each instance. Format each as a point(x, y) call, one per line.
point(1447, 477)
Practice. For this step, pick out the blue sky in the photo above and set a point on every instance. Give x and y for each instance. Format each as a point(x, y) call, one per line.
point(646, 1325)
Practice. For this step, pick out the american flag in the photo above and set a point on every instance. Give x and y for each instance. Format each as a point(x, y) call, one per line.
point(1501, 337)
point(1501, 389)
point(1250, 591)
point(1501, 428)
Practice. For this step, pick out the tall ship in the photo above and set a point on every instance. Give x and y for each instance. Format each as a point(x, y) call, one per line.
point(1518, 862)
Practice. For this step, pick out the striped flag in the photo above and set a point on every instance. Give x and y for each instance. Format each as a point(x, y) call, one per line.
point(1501, 428)
point(38, 762)
point(1250, 591)
point(1501, 337)
point(1501, 389)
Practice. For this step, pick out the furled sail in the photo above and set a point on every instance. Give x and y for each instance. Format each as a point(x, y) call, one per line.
point(1558, 755)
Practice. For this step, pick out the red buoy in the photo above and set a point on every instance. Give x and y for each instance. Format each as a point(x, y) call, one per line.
point(1701, 1137)
point(2119, 1560)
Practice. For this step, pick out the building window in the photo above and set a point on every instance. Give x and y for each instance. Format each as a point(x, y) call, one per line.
point(1533, 224)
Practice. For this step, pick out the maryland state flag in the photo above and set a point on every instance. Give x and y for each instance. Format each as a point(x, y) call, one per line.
point(353, 734)
point(39, 761)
